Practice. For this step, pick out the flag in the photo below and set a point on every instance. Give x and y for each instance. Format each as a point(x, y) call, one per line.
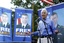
point(18, 21)
point(48, 1)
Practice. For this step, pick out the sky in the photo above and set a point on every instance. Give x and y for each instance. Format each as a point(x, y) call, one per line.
point(6, 4)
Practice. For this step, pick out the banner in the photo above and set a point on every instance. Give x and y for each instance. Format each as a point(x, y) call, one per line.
point(56, 14)
point(5, 25)
point(57, 18)
point(23, 24)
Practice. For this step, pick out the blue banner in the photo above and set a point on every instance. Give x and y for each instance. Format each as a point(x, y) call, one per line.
point(56, 14)
point(5, 25)
point(23, 24)
point(51, 9)
point(58, 18)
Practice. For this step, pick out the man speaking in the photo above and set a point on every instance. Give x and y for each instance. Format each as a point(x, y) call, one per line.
point(45, 28)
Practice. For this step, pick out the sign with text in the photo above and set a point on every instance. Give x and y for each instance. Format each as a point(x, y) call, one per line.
point(23, 23)
point(5, 25)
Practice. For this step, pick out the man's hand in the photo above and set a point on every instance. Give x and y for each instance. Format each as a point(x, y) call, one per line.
point(28, 33)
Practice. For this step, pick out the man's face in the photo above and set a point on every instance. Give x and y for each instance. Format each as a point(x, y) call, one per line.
point(44, 14)
point(54, 18)
point(24, 19)
point(4, 18)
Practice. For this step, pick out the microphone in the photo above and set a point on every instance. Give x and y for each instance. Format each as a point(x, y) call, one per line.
point(37, 19)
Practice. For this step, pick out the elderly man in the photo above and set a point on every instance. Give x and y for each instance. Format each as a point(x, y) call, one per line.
point(45, 28)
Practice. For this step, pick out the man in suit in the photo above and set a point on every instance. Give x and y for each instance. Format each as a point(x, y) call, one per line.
point(4, 25)
point(4, 20)
point(24, 22)
point(58, 37)
point(23, 26)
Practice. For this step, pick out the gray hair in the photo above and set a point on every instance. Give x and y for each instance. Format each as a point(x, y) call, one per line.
point(44, 9)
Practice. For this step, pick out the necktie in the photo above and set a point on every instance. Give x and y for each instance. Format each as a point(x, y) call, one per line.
point(4, 36)
point(23, 31)
point(23, 27)
point(4, 25)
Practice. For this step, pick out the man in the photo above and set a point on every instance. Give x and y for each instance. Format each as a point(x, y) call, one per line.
point(24, 27)
point(4, 21)
point(24, 22)
point(54, 18)
point(59, 37)
point(45, 27)
point(4, 26)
